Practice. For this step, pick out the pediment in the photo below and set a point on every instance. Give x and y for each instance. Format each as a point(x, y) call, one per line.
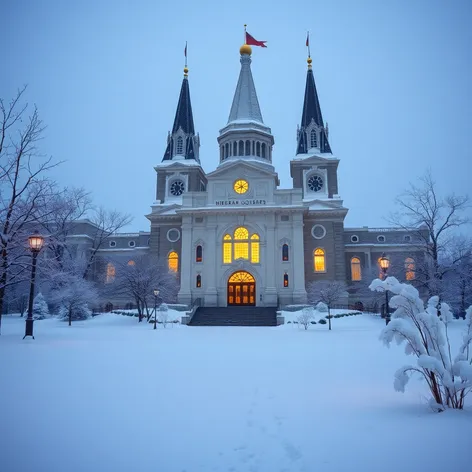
point(243, 167)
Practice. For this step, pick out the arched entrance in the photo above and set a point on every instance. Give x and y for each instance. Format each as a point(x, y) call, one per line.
point(241, 289)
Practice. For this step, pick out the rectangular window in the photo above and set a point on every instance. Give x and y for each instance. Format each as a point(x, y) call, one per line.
point(227, 253)
point(241, 250)
point(255, 253)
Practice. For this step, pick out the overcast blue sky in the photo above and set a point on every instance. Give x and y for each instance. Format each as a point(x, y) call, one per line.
point(394, 80)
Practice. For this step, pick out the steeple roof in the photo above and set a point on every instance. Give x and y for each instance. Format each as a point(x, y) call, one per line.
point(182, 142)
point(245, 105)
point(311, 115)
point(183, 115)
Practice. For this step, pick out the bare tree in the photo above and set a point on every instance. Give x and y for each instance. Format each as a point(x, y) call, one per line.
point(306, 317)
point(328, 292)
point(432, 220)
point(106, 223)
point(138, 281)
point(23, 187)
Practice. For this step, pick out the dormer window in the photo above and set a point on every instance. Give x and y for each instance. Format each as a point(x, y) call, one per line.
point(313, 139)
point(180, 145)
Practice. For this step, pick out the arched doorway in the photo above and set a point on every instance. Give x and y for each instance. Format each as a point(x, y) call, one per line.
point(241, 289)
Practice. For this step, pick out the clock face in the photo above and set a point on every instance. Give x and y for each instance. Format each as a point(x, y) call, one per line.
point(177, 187)
point(241, 186)
point(315, 183)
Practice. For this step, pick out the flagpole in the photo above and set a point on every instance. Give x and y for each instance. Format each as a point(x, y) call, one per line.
point(308, 42)
point(245, 34)
point(185, 53)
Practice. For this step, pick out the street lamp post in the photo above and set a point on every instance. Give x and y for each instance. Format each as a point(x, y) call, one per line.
point(384, 265)
point(35, 243)
point(156, 293)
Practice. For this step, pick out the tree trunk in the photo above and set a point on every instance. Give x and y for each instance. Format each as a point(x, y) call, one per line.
point(329, 317)
point(70, 316)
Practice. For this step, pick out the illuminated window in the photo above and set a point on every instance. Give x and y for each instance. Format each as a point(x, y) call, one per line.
point(285, 252)
point(241, 246)
point(173, 261)
point(255, 249)
point(313, 140)
point(131, 263)
point(199, 281)
point(227, 249)
point(241, 277)
point(285, 280)
point(199, 254)
point(180, 145)
point(111, 272)
point(356, 273)
point(319, 260)
point(410, 268)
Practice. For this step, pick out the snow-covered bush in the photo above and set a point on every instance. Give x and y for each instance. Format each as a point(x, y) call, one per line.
point(40, 307)
point(306, 316)
point(163, 314)
point(424, 330)
point(322, 307)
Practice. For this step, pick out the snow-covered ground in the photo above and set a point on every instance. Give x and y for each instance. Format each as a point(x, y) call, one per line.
point(109, 394)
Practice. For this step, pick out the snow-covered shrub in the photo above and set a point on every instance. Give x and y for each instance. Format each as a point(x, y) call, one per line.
point(40, 307)
point(163, 314)
point(424, 330)
point(321, 307)
point(322, 321)
point(306, 316)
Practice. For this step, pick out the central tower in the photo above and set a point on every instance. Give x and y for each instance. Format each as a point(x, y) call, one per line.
point(245, 136)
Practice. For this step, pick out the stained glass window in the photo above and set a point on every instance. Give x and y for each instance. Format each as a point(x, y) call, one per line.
point(319, 260)
point(227, 249)
point(199, 254)
point(285, 280)
point(255, 249)
point(199, 281)
point(173, 261)
point(285, 252)
point(241, 277)
point(241, 246)
point(356, 273)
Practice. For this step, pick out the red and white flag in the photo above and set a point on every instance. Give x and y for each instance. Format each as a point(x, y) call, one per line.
point(254, 42)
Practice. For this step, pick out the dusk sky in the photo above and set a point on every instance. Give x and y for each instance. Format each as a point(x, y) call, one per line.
point(394, 81)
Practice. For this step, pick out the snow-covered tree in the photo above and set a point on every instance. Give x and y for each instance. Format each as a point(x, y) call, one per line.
point(139, 280)
point(40, 307)
point(163, 314)
point(306, 316)
point(71, 294)
point(426, 336)
point(432, 221)
point(328, 292)
point(24, 188)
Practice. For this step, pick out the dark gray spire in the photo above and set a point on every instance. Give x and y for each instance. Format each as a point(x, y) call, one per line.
point(312, 135)
point(182, 142)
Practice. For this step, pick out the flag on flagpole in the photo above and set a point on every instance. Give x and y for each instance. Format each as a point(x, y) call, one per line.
point(254, 42)
point(308, 40)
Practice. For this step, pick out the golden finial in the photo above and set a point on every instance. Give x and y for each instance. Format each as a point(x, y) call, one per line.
point(245, 49)
point(309, 61)
point(185, 71)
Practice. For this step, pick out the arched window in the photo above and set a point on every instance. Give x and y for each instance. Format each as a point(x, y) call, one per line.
point(241, 148)
point(199, 281)
point(241, 246)
point(131, 263)
point(235, 148)
point(180, 145)
point(111, 272)
point(173, 261)
point(263, 150)
point(319, 261)
point(255, 249)
point(313, 139)
point(199, 254)
point(258, 149)
point(285, 252)
point(356, 273)
point(409, 268)
point(248, 148)
point(285, 280)
point(226, 150)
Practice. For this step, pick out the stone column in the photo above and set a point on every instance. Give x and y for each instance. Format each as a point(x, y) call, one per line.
point(210, 265)
point(270, 294)
point(298, 262)
point(185, 294)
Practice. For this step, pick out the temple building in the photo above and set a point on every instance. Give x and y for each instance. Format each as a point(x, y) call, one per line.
point(232, 236)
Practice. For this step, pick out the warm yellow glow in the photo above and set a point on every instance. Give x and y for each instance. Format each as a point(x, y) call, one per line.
point(173, 261)
point(410, 268)
point(319, 260)
point(356, 273)
point(241, 186)
point(241, 250)
point(255, 249)
point(384, 262)
point(241, 277)
point(111, 272)
point(227, 253)
point(241, 233)
point(35, 242)
point(131, 263)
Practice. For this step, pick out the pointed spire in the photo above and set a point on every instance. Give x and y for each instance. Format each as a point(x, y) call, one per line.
point(182, 141)
point(245, 105)
point(312, 133)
